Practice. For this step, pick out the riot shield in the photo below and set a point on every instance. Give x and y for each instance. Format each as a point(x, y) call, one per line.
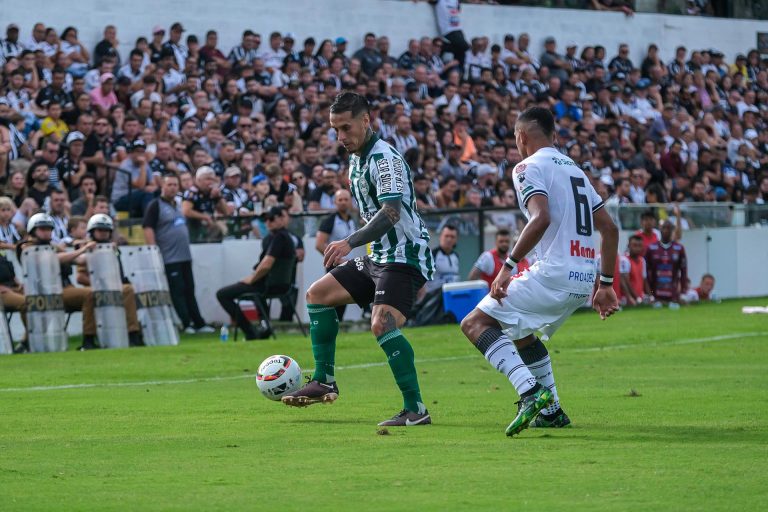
point(107, 286)
point(6, 342)
point(45, 305)
point(146, 272)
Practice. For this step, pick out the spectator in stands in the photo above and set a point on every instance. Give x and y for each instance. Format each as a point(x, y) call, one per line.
point(134, 186)
point(71, 167)
point(277, 247)
point(57, 209)
point(425, 199)
point(201, 204)
point(322, 197)
point(667, 267)
point(369, 57)
point(165, 226)
point(53, 126)
point(86, 196)
point(39, 183)
point(337, 226)
point(9, 235)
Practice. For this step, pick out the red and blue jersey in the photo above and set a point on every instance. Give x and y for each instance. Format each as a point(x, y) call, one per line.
point(667, 269)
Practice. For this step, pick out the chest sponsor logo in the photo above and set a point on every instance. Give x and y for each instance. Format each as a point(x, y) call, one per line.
point(582, 251)
point(362, 186)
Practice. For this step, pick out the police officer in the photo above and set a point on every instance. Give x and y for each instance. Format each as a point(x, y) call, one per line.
point(40, 232)
point(100, 228)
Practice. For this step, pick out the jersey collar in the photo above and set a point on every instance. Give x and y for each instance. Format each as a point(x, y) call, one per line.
point(368, 146)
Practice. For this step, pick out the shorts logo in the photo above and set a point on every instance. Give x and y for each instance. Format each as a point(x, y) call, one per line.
point(359, 264)
point(379, 292)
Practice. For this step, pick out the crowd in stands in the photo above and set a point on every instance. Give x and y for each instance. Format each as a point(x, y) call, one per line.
point(246, 128)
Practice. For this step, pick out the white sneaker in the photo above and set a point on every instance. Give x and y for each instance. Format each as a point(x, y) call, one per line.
point(190, 330)
point(206, 329)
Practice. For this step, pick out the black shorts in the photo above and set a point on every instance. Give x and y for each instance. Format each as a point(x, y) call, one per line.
point(393, 284)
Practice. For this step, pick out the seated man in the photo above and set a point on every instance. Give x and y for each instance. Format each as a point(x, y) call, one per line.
point(701, 294)
point(12, 293)
point(271, 275)
point(99, 229)
point(40, 232)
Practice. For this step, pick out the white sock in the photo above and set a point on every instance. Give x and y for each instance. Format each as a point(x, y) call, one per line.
point(542, 370)
point(499, 350)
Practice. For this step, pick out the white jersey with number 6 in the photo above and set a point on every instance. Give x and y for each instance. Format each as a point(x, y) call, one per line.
point(566, 253)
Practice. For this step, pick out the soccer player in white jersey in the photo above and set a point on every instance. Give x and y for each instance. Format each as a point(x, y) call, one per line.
point(562, 208)
point(399, 264)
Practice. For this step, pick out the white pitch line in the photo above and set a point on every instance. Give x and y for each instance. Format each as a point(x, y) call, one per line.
point(689, 341)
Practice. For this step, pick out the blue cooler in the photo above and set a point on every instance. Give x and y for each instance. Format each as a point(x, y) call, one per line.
point(461, 298)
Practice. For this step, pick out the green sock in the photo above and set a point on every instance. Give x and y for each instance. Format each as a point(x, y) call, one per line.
point(323, 328)
point(401, 361)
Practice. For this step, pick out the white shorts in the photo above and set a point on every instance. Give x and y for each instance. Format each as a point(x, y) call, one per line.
point(530, 307)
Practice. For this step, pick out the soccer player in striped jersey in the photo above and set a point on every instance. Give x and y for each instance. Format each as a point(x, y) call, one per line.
point(399, 264)
point(562, 209)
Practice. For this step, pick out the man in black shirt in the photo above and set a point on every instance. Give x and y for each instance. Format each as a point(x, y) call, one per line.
point(38, 183)
point(277, 246)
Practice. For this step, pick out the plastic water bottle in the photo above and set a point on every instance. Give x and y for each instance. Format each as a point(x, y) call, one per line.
point(224, 334)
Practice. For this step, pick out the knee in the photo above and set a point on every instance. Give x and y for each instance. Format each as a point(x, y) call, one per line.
point(474, 325)
point(314, 295)
point(468, 324)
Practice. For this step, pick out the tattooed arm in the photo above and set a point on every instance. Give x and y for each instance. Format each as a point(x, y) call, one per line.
point(377, 227)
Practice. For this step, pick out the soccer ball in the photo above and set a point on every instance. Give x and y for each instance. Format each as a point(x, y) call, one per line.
point(277, 376)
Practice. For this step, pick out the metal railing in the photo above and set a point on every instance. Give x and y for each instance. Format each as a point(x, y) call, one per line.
point(477, 226)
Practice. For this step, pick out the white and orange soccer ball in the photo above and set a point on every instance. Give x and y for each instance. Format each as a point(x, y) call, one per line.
point(278, 376)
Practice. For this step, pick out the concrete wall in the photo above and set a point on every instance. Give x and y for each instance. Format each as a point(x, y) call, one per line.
point(398, 19)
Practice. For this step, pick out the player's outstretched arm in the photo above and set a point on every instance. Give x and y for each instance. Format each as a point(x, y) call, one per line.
point(374, 229)
point(605, 301)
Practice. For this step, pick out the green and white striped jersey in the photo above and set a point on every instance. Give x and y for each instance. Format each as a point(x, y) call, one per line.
point(378, 174)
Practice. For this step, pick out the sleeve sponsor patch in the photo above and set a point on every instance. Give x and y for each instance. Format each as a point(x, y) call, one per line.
point(390, 173)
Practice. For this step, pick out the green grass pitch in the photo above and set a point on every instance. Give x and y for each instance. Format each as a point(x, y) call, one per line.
point(670, 412)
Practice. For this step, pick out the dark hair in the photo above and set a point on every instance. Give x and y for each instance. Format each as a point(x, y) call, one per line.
point(136, 53)
point(100, 199)
point(503, 232)
point(449, 227)
point(541, 116)
point(87, 176)
point(635, 238)
point(707, 275)
point(648, 214)
point(248, 33)
point(349, 101)
point(66, 32)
